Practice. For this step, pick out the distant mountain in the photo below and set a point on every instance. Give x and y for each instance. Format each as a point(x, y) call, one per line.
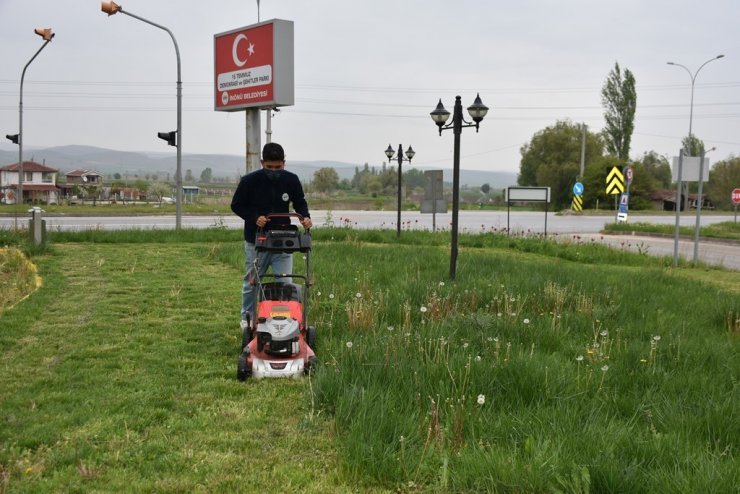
point(130, 164)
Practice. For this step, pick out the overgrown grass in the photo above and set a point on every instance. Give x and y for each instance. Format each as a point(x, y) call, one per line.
point(543, 368)
point(728, 230)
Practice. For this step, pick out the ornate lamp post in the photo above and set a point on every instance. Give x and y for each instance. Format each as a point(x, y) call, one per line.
point(111, 8)
point(440, 116)
point(399, 157)
point(48, 35)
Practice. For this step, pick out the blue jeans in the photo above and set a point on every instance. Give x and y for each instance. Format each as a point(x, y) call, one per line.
point(257, 264)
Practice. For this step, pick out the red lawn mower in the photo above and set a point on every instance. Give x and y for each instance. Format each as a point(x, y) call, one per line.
point(279, 342)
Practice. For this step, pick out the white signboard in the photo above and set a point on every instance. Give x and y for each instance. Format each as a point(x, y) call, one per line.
point(690, 169)
point(525, 194)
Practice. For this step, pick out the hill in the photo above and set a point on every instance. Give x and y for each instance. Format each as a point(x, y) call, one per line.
point(131, 164)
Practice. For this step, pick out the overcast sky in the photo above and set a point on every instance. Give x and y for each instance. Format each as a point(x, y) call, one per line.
point(368, 72)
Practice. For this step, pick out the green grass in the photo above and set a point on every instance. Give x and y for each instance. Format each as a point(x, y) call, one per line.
point(728, 230)
point(119, 373)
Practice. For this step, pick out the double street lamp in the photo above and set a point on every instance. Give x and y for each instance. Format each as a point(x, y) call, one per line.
point(440, 116)
point(688, 152)
point(399, 157)
point(173, 138)
point(47, 34)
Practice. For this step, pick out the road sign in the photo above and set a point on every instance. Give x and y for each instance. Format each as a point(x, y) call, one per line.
point(736, 196)
point(624, 201)
point(614, 182)
point(578, 189)
point(622, 218)
point(628, 174)
point(577, 203)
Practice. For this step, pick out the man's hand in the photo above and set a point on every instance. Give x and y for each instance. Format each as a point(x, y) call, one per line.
point(307, 223)
point(262, 221)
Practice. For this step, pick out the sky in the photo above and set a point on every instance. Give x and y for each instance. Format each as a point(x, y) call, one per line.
point(368, 72)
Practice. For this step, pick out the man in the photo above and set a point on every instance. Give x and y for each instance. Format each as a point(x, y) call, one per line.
point(269, 190)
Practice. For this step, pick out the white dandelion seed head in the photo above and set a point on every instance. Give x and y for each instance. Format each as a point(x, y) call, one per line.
point(656, 337)
point(499, 314)
point(358, 295)
point(349, 344)
point(423, 309)
point(441, 283)
point(605, 368)
point(604, 333)
point(526, 321)
point(465, 345)
point(579, 358)
point(390, 328)
point(331, 295)
point(318, 294)
point(478, 358)
point(481, 400)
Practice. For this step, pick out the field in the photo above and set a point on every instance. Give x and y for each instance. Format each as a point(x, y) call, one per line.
point(543, 367)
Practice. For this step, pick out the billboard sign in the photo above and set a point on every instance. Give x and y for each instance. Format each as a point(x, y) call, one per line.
point(690, 169)
point(254, 66)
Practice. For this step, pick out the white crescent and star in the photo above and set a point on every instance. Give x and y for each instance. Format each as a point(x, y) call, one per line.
point(234, 49)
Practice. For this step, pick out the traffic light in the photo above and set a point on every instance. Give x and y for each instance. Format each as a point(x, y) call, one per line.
point(12, 137)
point(170, 137)
point(45, 33)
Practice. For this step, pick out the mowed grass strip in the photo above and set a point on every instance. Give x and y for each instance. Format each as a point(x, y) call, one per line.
point(119, 376)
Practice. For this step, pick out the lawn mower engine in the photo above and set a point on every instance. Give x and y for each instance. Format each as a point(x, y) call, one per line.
point(278, 336)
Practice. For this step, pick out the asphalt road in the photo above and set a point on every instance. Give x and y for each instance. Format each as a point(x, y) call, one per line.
point(570, 227)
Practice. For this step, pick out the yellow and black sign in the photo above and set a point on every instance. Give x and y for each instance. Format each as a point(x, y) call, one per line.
point(614, 182)
point(577, 203)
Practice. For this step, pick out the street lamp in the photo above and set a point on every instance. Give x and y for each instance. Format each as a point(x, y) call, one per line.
point(440, 116)
point(48, 35)
point(111, 8)
point(409, 156)
point(689, 144)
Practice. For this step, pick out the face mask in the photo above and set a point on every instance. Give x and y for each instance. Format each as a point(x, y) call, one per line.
point(273, 175)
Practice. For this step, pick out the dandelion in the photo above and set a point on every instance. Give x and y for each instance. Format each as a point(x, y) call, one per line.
point(441, 283)
point(318, 294)
point(481, 400)
point(499, 314)
point(465, 345)
point(496, 339)
point(349, 344)
point(390, 328)
point(478, 358)
point(331, 295)
point(605, 368)
point(526, 321)
point(656, 338)
point(358, 295)
point(604, 333)
point(579, 358)
point(423, 309)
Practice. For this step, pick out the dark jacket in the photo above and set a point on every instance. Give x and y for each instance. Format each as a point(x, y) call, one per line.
point(257, 195)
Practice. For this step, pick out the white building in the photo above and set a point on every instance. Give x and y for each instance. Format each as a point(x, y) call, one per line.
point(39, 183)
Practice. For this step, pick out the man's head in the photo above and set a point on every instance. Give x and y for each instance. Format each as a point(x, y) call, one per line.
point(273, 160)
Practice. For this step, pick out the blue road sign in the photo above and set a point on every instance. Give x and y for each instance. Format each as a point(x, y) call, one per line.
point(578, 189)
point(624, 201)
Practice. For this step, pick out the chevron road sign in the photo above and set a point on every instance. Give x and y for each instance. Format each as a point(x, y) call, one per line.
point(614, 182)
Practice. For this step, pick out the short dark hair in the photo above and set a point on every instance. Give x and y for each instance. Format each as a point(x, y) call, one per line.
point(272, 151)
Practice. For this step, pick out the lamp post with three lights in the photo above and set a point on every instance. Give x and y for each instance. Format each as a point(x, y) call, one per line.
point(440, 116)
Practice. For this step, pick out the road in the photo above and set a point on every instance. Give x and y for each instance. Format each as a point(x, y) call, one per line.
point(562, 226)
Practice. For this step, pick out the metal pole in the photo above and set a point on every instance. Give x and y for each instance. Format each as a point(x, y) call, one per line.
point(583, 150)
point(178, 170)
point(678, 208)
point(268, 124)
point(457, 118)
point(253, 139)
point(400, 161)
point(20, 132)
point(698, 207)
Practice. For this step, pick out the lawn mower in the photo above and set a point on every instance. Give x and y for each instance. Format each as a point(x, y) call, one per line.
point(279, 342)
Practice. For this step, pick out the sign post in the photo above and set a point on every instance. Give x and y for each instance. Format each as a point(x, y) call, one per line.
point(433, 201)
point(735, 200)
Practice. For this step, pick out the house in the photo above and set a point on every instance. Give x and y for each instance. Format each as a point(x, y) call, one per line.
point(39, 183)
point(666, 200)
point(84, 177)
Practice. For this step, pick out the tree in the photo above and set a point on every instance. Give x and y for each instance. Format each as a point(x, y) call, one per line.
point(325, 180)
point(159, 190)
point(557, 151)
point(206, 176)
point(485, 188)
point(723, 178)
point(620, 101)
point(693, 145)
point(188, 175)
point(657, 168)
